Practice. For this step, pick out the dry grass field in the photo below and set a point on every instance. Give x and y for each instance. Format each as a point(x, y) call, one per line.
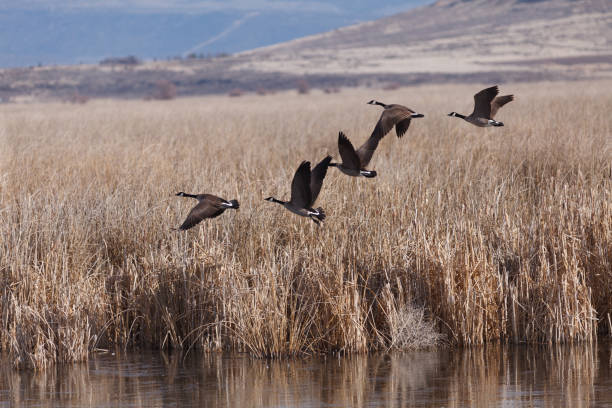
point(466, 236)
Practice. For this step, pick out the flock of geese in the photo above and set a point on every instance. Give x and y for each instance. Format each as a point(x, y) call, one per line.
point(307, 183)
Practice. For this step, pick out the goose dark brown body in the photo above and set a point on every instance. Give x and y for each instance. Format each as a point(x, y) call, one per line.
point(486, 105)
point(305, 188)
point(355, 161)
point(209, 206)
point(393, 115)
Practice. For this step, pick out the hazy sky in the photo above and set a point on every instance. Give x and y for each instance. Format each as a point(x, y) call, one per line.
point(198, 6)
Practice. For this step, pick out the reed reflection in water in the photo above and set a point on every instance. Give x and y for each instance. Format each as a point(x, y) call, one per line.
point(513, 376)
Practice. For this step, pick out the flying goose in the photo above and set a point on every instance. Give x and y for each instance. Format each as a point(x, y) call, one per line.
point(208, 206)
point(353, 162)
point(486, 105)
point(305, 189)
point(393, 115)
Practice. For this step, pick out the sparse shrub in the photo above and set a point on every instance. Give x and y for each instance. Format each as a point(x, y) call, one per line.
point(331, 90)
point(130, 60)
point(303, 87)
point(261, 91)
point(407, 326)
point(392, 86)
point(236, 92)
point(78, 98)
point(164, 90)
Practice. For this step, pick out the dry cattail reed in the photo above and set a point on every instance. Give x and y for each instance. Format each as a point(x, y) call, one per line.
point(475, 234)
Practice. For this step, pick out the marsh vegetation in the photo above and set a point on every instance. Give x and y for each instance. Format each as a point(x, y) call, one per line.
point(471, 235)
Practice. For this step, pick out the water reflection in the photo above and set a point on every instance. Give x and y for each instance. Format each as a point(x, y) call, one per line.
point(577, 376)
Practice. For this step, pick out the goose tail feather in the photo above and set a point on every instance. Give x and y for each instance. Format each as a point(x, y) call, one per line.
point(368, 173)
point(321, 214)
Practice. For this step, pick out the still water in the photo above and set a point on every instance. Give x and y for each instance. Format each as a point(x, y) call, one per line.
point(493, 376)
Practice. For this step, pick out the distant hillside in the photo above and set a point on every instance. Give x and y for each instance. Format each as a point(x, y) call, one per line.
point(456, 37)
point(469, 40)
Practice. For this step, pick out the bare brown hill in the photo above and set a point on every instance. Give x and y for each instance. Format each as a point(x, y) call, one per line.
point(450, 40)
point(457, 37)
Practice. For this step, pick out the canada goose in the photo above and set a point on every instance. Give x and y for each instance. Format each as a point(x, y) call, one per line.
point(353, 162)
point(305, 189)
point(393, 115)
point(486, 105)
point(208, 206)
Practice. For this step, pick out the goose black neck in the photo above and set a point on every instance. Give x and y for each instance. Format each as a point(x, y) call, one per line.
point(278, 201)
point(459, 115)
point(381, 104)
point(189, 195)
point(333, 164)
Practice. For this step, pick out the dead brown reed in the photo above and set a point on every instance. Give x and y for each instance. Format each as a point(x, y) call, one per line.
point(495, 233)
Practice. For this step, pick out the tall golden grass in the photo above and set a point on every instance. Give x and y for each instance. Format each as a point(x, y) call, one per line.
point(485, 234)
